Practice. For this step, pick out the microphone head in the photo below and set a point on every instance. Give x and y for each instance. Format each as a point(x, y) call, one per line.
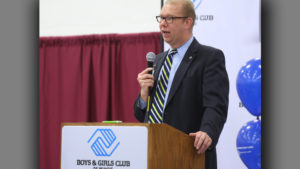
point(150, 57)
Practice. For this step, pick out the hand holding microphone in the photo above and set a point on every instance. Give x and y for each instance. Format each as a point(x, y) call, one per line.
point(145, 78)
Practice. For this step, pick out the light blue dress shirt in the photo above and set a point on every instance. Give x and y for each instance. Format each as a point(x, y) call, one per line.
point(177, 58)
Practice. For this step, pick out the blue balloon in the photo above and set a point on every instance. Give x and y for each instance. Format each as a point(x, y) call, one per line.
point(248, 86)
point(248, 144)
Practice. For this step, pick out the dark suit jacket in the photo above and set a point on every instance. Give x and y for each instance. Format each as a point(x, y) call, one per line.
point(198, 99)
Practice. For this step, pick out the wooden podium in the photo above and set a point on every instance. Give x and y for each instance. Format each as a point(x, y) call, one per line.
point(168, 148)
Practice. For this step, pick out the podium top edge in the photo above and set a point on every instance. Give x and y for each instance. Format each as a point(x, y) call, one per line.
point(105, 124)
point(154, 126)
point(110, 124)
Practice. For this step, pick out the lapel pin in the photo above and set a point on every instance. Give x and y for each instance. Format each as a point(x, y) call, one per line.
point(191, 57)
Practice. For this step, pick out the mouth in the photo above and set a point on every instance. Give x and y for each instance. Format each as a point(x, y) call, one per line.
point(165, 32)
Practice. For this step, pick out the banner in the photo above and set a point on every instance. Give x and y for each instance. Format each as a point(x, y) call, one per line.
point(234, 27)
point(104, 147)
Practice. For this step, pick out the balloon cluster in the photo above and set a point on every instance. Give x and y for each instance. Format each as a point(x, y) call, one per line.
point(249, 90)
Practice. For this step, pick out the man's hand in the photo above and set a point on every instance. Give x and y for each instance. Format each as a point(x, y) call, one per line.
point(202, 141)
point(146, 81)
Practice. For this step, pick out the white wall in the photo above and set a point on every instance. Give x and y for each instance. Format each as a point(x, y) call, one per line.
point(78, 17)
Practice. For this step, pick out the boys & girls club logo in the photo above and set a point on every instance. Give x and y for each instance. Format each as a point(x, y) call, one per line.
point(103, 142)
point(197, 3)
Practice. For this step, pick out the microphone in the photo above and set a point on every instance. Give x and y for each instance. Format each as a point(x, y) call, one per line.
point(150, 60)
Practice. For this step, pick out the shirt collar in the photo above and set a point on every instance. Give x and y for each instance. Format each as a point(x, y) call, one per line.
point(182, 49)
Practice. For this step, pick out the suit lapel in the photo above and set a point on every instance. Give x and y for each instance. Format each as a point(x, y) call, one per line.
point(183, 67)
point(159, 65)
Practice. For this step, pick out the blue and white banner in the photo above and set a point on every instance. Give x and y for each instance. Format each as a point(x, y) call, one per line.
point(234, 27)
point(104, 147)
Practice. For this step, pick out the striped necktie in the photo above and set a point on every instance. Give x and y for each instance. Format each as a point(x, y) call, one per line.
point(156, 111)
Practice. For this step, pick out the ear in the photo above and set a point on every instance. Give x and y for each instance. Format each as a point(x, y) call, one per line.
point(189, 22)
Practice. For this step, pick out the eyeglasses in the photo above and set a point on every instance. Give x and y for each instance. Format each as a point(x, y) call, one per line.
point(169, 19)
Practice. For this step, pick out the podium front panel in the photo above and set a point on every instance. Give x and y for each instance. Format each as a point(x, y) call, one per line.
point(104, 147)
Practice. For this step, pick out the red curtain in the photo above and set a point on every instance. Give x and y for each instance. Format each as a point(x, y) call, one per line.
point(88, 79)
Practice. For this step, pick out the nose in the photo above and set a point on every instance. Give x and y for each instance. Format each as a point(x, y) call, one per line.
point(163, 23)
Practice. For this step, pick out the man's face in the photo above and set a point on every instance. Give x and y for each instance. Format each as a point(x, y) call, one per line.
point(173, 33)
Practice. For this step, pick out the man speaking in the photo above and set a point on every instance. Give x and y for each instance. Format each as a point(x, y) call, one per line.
point(189, 87)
